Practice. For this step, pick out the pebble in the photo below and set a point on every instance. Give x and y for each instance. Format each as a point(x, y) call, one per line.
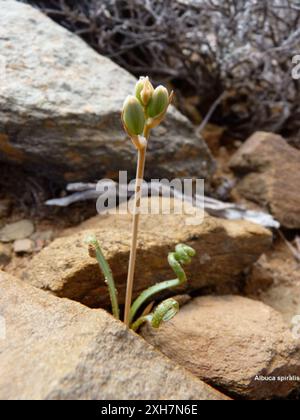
point(19, 230)
point(43, 235)
point(23, 246)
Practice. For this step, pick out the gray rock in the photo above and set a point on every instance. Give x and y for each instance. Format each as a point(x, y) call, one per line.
point(58, 349)
point(19, 230)
point(60, 108)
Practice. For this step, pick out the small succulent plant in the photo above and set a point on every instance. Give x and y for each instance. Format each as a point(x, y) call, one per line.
point(167, 309)
point(142, 112)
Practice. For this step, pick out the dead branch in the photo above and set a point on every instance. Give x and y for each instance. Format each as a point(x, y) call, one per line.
point(214, 207)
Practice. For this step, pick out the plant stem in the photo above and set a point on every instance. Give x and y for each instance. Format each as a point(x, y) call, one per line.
point(140, 321)
point(136, 213)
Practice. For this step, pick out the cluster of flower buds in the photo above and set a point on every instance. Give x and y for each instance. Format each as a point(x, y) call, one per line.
point(146, 109)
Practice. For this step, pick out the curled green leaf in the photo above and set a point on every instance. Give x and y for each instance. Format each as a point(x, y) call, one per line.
point(164, 312)
point(182, 255)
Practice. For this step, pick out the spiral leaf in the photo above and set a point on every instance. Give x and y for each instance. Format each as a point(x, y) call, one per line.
point(182, 255)
point(164, 312)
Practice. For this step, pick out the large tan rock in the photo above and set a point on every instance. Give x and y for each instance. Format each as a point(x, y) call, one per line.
point(224, 250)
point(270, 175)
point(234, 343)
point(59, 349)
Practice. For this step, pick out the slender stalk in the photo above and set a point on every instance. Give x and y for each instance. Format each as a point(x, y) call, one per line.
point(136, 213)
point(141, 112)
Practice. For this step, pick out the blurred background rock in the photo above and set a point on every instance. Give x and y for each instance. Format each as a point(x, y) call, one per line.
point(234, 55)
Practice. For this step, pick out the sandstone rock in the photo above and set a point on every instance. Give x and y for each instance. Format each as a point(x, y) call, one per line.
point(275, 280)
point(5, 254)
point(18, 230)
point(231, 342)
point(60, 108)
point(23, 246)
point(285, 298)
point(270, 175)
point(58, 349)
point(224, 250)
point(212, 135)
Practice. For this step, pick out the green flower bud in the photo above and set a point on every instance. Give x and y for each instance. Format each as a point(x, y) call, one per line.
point(139, 87)
point(158, 103)
point(133, 116)
point(144, 90)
